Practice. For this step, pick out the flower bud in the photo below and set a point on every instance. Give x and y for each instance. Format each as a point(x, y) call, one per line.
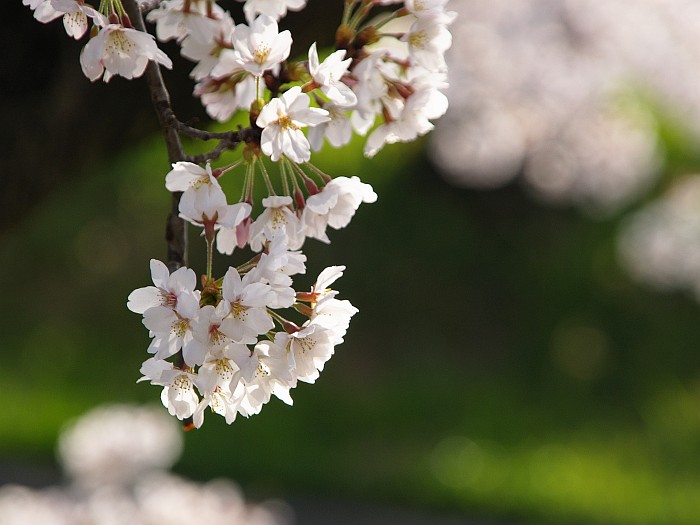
point(311, 186)
point(367, 36)
point(126, 21)
point(343, 36)
point(255, 109)
point(299, 199)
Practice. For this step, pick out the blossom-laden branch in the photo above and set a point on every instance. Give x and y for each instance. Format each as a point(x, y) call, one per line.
point(249, 335)
point(176, 230)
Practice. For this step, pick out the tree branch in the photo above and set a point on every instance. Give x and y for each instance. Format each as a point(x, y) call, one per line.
point(175, 231)
point(228, 139)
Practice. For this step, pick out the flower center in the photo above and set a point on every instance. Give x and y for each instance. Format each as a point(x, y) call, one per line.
point(216, 337)
point(223, 369)
point(238, 310)
point(182, 382)
point(285, 122)
point(119, 44)
point(180, 327)
point(168, 299)
point(262, 371)
point(261, 53)
point(201, 181)
point(306, 344)
point(418, 40)
point(278, 220)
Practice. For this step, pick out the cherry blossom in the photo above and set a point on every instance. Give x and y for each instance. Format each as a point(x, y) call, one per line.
point(117, 50)
point(241, 339)
point(178, 395)
point(245, 300)
point(335, 205)
point(273, 8)
point(282, 119)
point(261, 46)
point(327, 76)
point(176, 19)
point(277, 217)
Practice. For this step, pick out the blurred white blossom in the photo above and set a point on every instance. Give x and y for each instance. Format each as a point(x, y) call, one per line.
point(548, 90)
point(117, 457)
point(118, 443)
point(660, 244)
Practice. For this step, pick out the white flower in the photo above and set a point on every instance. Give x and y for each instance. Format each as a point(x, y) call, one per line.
point(413, 120)
point(427, 42)
point(207, 207)
point(205, 330)
point(215, 379)
point(370, 89)
point(44, 12)
point(271, 375)
point(335, 205)
point(327, 277)
point(260, 47)
point(328, 74)
point(222, 96)
point(274, 8)
point(338, 130)
point(186, 175)
point(75, 16)
point(178, 394)
point(206, 52)
point(171, 333)
point(309, 349)
point(334, 315)
point(173, 22)
point(282, 119)
point(173, 292)
point(120, 51)
point(431, 9)
point(210, 210)
point(168, 308)
point(246, 302)
point(222, 403)
point(118, 444)
point(277, 217)
point(275, 267)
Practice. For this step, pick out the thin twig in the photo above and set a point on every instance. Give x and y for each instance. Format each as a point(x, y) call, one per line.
point(228, 139)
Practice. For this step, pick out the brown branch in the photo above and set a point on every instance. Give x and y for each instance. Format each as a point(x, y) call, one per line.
point(227, 139)
point(175, 231)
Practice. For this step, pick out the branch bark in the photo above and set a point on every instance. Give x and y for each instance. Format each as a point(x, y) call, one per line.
point(175, 230)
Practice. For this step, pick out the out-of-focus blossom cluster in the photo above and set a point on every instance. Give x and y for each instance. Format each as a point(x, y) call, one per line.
point(550, 90)
point(117, 459)
point(660, 244)
point(117, 444)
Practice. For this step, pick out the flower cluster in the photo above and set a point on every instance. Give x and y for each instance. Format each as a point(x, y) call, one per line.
point(227, 346)
point(230, 345)
point(393, 70)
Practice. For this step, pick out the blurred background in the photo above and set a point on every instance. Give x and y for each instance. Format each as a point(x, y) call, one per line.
point(528, 281)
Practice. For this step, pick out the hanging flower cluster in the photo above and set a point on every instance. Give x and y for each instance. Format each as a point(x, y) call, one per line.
point(228, 346)
point(233, 343)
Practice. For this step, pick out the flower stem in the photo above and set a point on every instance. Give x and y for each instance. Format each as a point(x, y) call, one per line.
point(266, 177)
point(210, 257)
